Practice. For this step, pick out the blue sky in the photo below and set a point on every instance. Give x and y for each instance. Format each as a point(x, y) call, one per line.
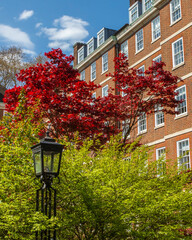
point(39, 25)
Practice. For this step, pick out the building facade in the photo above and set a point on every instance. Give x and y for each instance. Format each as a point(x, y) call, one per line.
point(158, 30)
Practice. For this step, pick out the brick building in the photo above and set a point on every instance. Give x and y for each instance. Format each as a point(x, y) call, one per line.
point(157, 30)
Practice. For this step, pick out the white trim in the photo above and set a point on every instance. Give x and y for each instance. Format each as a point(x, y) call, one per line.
point(105, 80)
point(171, 12)
point(143, 6)
point(136, 41)
point(176, 33)
point(187, 76)
point(185, 113)
point(177, 143)
point(145, 130)
point(147, 56)
point(103, 32)
point(92, 79)
point(104, 63)
point(152, 29)
point(159, 56)
point(106, 86)
point(136, 4)
point(158, 157)
point(173, 55)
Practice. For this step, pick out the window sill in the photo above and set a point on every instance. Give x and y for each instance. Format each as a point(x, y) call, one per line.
point(179, 65)
point(159, 126)
point(179, 19)
point(139, 51)
point(104, 72)
point(93, 79)
point(156, 40)
point(181, 116)
point(142, 132)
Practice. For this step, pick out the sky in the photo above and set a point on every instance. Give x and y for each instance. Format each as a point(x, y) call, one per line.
point(37, 26)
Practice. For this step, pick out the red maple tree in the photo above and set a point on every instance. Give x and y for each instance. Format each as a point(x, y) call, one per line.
point(66, 102)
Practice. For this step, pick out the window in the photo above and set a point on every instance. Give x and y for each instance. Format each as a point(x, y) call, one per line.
point(105, 91)
point(90, 47)
point(139, 40)
point(161, 164)
point(133, 13)
point(183, 154)
point(157, 59)
point(81, 54)
point(159, 116)
point(175, 10)
point(82, 75)
point(147, 5)
point(177, 52)
point(182, 107)
point(125, 128)
point(156, 31)
point(93, 71)
point(100, 37)
point(141, 71)
point(142, 123)
point(124, 48)
point(105, 62)
point(94, 95)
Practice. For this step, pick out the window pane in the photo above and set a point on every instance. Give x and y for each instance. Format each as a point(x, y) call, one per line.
point(183, 154)
point(175, 10)
point(182, 107)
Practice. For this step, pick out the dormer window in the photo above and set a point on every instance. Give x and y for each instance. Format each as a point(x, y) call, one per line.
point(147, 4)
point(103, 35)
point(81, 54)
point(91, 45)
point(100, 37)
point(135, 11)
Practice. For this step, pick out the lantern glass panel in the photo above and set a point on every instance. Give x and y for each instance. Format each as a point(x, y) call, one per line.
point(37, 162)
point(51, 161)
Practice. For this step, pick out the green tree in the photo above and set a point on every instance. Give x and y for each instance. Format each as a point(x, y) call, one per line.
point(103, 195)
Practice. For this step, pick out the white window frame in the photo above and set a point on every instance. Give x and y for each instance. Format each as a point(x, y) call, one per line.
point(179, 156)
point(93, 71)
point(82, 75)
point(90, 44)
point(125, 127)
point(171, 11)
point(124, 48)
point(100, 35)
point(104, 90)
point(142, 68)
point(155, 30)
point(105, 62)
point(182, 105)
point(142, 118)
point(180, 53)
point(145, 3)
point(135, 7)
point(158, 58)
point(159, 115)
point(94, 95)
point(162, 158)
point(81, 54)
point(136, 41)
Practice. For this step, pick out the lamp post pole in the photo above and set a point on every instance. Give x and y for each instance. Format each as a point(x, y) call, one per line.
point(47, 158)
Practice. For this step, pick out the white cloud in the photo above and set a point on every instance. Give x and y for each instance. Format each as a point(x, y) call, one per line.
point(15, 36)
point(30, 52)
point(38, 25)
point(26, 14)
point(66, 31)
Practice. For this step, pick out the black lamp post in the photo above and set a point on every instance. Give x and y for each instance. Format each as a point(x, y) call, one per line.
point(47, 159)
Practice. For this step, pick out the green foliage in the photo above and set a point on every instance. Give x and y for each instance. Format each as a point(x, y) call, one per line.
point(110, 193)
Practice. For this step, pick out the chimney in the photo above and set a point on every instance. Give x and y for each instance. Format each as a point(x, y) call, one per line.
point(134, 1)
point(76, 47)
